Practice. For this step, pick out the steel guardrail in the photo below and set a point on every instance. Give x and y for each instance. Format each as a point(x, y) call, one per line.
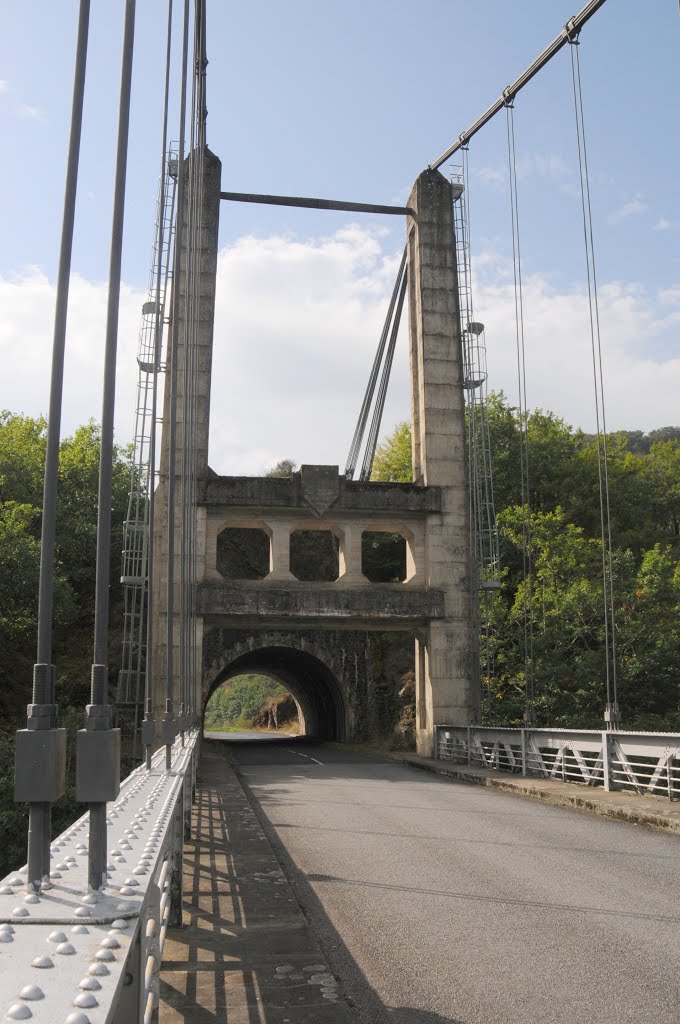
point(72, 956)
point(644, 762)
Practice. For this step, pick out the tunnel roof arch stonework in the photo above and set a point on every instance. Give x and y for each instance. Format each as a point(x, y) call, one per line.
point(328, 672)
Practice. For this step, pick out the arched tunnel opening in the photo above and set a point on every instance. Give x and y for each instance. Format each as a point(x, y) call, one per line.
point(315, 689)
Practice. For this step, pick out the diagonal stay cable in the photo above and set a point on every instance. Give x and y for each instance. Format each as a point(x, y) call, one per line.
point(359, 431)
point(369, 452)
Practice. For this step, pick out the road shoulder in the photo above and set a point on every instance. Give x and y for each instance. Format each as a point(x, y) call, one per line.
point(652, 811)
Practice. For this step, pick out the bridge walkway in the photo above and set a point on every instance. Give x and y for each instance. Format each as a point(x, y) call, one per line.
point(622, 805)
point(245, 954)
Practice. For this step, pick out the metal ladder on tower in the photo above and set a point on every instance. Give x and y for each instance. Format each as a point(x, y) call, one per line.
point(483, 528)
point(136, 529)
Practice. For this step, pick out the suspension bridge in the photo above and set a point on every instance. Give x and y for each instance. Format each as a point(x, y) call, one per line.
point(87, 924)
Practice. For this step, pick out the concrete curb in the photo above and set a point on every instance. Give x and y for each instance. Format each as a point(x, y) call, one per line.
point(648, 810)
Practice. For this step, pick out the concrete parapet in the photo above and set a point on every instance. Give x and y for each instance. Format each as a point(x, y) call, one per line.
point(382, 606)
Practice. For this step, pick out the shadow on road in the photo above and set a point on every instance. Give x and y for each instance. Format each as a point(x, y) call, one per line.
point(246, 951)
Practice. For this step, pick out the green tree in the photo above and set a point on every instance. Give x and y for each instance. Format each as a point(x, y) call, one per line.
point(662, 476)
point(240, 700)
point(392, 462)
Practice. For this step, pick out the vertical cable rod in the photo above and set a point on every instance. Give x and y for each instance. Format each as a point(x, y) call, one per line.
point(527, 567)
point(98, 712)
point(149, 729)
point(172, 446)
point(612, 715)
point(39, 814)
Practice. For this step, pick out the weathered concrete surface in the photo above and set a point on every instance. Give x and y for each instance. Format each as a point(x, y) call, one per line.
point(434, 600)
point(380, 607)
point(287, 492)
point(170, 476)
point(245, 953)
point(446, 689)
point(647, 809)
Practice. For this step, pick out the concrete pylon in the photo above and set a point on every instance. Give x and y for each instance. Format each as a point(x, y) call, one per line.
point(205, 265)
point(446, 652)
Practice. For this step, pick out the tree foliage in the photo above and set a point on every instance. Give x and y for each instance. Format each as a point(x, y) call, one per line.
point(549, 628)
point(241, 700)
point(22, 456)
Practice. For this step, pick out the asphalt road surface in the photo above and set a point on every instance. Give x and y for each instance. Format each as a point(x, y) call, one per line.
point(438, 902)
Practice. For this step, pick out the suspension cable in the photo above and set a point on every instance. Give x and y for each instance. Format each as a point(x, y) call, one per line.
point(158, 337)
point(43, 692)
point(612, 710)
point(172, 446)
point(527, 564)
point(355, 447)
point(371, 443)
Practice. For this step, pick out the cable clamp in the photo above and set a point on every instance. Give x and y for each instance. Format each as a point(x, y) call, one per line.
point(571, 32)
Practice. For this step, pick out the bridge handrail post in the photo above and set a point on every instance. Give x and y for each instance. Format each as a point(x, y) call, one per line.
point(187, 792)
point(605, 762)
point(469, 745)
point(523, 738)
point(177, 856)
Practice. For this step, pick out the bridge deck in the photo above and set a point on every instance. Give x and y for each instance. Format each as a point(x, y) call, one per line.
point(245, 953)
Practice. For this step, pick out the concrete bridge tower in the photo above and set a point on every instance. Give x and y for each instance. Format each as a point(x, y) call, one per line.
point(447, 654)
point(311, 635)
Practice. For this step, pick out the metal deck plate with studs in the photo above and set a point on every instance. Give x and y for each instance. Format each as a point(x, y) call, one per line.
point(65, 953)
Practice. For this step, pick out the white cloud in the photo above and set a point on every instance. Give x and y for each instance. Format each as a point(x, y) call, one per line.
point(670, 296)
point(296, 328)
point(530, 165)
point(26, 329)
point(663, 225)
point(496, 177)
point(29, 112)
point(4, 86)
point(297, 324)
point(633, 208)
point(641, 387)
point(543, 165)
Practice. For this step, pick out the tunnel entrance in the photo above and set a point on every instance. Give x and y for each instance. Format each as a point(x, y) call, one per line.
point(312, 684)
point(252, 702)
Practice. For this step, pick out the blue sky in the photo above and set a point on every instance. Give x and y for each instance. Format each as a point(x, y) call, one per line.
point(352, 101)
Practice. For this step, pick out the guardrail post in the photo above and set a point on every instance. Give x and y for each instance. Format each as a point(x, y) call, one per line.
point(524, 752)
point(150, 955)
point(130, 998)
point(186, 803)
point(469, 745)
point(177, 883)
point(436, 743)
point(605, 761)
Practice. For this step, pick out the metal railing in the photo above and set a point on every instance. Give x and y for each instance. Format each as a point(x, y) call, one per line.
point(643, 762)
point(80, 957)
